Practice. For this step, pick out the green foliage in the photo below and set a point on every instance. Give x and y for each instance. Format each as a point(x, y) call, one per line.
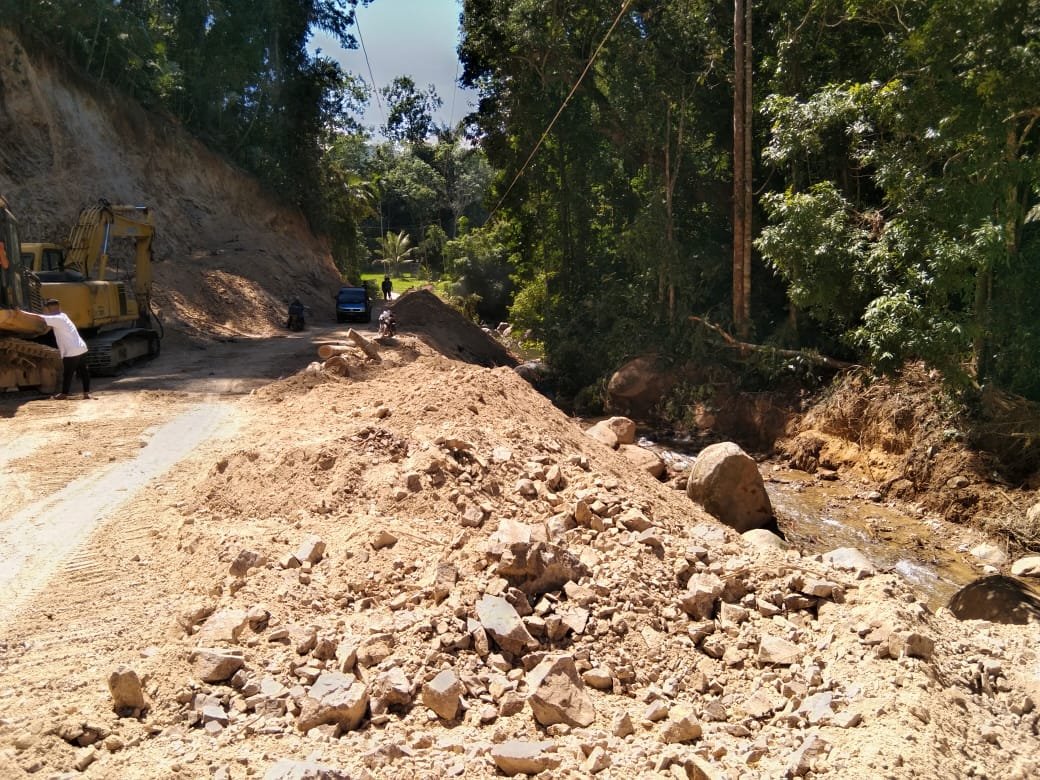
point(393, 250)
point(481, 264)
point(409, 110)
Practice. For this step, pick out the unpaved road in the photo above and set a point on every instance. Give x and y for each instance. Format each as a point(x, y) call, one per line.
point(66, 467)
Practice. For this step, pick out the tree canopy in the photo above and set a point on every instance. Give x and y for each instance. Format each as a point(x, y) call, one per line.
point(894, 163)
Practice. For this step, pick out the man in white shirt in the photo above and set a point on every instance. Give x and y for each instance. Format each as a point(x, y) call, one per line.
point(72, 347)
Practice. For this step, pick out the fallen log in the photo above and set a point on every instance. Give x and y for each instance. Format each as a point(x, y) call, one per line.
point(325, 351)
point(743, 346)
point(365, 344)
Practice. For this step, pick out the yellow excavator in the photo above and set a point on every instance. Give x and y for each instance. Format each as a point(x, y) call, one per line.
point(109, 301)
point(23, 361)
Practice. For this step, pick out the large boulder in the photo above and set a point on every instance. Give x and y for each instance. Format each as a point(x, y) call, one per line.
point(726, 482)
point(997, 599)
point(638, 385)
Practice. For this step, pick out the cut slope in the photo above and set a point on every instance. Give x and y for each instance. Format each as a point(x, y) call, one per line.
point(228, 255)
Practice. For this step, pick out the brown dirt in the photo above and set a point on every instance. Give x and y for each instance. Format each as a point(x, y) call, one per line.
point(440, 451)
point(902, 436)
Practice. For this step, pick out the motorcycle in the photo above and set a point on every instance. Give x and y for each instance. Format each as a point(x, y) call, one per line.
point(296, 320)
point(387, 324)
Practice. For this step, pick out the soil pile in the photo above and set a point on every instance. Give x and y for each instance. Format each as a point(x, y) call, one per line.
point(448, 331)
point(424, 569)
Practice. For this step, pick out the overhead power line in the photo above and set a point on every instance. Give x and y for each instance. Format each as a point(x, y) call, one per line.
point(566, 100)
point(375, 90)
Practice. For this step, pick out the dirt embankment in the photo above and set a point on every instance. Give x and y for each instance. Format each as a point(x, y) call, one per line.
point(228, 256)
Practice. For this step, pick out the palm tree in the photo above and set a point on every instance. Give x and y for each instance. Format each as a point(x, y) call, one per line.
point(394, 249)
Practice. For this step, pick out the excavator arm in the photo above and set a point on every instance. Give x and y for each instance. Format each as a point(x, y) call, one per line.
point(90, 240)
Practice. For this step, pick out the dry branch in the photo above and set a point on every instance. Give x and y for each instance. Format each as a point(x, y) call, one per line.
point(743, 346)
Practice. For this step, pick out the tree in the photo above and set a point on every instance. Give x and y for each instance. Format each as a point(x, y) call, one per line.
point(393, 250)
point(409, 111)
point(903, 224)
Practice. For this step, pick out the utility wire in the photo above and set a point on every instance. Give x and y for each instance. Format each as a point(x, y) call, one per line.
point(454, 93)
point(566, 100)
point(364, 51)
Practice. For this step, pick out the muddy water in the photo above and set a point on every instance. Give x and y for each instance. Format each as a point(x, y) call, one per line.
point(817, 516)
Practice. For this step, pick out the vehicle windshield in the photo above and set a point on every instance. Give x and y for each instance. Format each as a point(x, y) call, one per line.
point(352, 295)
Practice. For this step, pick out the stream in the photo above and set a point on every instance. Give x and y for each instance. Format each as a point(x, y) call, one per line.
point(817, 516)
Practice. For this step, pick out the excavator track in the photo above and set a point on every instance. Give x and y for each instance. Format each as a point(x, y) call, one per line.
point(113, 350)
point(26, 364)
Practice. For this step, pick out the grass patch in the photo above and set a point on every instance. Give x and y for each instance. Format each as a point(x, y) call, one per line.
point(402, 283)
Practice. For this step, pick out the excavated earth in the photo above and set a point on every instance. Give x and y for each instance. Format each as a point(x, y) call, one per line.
point(424, 569)
point(239, 562)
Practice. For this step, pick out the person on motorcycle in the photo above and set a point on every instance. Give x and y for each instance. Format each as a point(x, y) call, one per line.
point(387, 323)
point(296, 320)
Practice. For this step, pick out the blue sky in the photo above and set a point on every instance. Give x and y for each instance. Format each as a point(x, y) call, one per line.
point(416, 38)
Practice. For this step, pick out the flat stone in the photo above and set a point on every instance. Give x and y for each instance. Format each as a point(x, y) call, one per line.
point(818, 708)
point(912, 644)
point(517, 757)
point(557, 694)
point(681, 728)
point(334, 698)
point(443, 694)
point(1026, 567)
point(311, 550)
point(780, 652)
point(223, 626)
point(850, 559)
point(762, 703)
point(643, 459)
point(498, 617)
point(215, 665)
point(375, 649)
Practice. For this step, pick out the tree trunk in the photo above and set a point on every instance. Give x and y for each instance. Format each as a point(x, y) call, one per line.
point(739, 170)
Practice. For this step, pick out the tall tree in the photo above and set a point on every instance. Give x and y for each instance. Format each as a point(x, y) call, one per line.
point(409, 110)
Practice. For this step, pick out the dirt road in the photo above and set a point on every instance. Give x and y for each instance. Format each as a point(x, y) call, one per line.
point(66, 467)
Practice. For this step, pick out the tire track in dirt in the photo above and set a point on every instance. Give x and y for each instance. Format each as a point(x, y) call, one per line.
point(42, 536)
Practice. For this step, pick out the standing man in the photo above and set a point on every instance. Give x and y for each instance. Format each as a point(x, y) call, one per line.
point(388, 287)
point(72, 347)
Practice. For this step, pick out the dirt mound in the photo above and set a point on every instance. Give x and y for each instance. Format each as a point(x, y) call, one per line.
point(448, 331)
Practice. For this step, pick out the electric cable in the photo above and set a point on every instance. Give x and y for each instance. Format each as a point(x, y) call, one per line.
point(371, 76)
point(566, 100)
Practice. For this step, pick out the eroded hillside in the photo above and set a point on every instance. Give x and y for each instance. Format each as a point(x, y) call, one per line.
point(228, 255)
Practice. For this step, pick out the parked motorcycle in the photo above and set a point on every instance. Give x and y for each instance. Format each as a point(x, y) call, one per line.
point(296, 320)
